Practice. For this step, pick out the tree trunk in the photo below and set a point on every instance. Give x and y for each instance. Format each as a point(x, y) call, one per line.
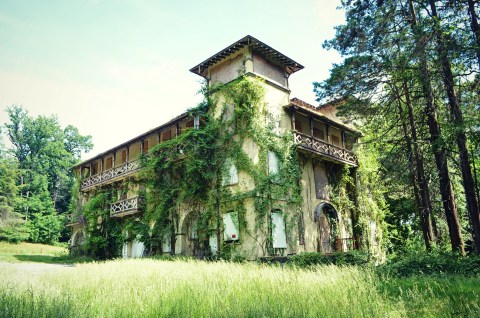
point(412, 151)
point(475, 27)
point(460, 136)
point(446, 190)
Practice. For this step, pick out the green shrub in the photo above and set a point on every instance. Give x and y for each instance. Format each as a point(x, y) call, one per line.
point(308, 259)
point(435, 263)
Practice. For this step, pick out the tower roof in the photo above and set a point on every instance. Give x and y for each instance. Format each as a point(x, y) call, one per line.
point(267, 52)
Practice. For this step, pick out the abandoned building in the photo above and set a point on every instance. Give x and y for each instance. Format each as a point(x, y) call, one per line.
point(323, 146)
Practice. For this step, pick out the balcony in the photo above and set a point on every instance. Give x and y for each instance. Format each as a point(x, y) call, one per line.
point(74, 219)
point(125, 207)
point(116, 172)
point(329, 151)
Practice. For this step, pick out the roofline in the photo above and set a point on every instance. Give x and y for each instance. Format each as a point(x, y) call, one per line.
point(175, 119)
point(272, 55)
point(309, 108)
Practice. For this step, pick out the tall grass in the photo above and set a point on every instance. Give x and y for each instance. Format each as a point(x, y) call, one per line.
point(153, 288)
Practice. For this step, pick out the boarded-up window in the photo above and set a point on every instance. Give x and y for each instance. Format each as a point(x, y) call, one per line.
point(212, 243)
point(108, 163)
point(166, 243)
point(124, 155)
point(230, 227)
point(321, 182)
point(279, 238)
point(166, 135)
point(335, 140)
point(94, 168)
point(137, 248)
point(189, 124)
point(318, 133)
point(145, 146)
point(231, 175)
point(273, 164)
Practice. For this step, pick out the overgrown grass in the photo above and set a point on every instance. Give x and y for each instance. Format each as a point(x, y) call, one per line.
point(179, 288)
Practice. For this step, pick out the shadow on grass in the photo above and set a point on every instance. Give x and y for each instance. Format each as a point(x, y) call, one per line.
point(51, 259)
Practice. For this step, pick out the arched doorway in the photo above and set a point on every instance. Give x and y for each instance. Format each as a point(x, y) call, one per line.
point(327, 219)
point(190, 244)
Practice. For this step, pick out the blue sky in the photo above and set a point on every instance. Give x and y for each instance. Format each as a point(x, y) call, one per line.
point(115, 69)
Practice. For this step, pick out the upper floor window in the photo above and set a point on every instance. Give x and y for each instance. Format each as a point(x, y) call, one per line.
point(145, 146)
point(124, 155)
point(318, 133)
point(273, 164)
point(231, 175)
point(166, 135)
point(108, 163)
point(335, 140)
point(95, 168)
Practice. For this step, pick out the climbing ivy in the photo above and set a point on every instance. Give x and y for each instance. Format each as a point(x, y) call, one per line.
point(187, 173)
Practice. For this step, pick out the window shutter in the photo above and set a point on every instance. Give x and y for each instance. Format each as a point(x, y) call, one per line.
point(230, 229)
point(166, 135)
point(108, 163)
point(124, 155)
point(279, 238)
point(145, 146)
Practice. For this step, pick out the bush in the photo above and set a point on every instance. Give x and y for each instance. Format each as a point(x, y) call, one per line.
point(434, 263)
point(309, 259)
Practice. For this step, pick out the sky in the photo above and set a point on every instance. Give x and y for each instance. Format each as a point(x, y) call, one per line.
point(115, 69)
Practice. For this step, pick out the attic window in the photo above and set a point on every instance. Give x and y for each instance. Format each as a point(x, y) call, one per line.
point(230, 227)
point(279, 238)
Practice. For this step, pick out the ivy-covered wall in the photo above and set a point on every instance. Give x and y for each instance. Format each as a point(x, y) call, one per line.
point(239, 162)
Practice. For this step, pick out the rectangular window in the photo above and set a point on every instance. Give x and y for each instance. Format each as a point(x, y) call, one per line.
point(272, 163)
point(318, 133)
point(108, 163)
point(298, 126)
point(230, 226)
point(95, 168)
point(145, 146)
point(189, 124)
point(335, 140)
point(166, 135)
point(124, 155)
point(279, 238)
point(231, 176)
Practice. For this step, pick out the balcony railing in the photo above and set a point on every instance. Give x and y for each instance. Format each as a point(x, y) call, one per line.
point(74, 219)
point(321, 147)
point(119, 171)
point(125, 207)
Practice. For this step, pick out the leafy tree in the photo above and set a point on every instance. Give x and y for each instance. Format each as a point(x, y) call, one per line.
point(45, 153)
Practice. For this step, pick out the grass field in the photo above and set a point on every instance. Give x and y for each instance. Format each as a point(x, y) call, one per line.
point(154, 288)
